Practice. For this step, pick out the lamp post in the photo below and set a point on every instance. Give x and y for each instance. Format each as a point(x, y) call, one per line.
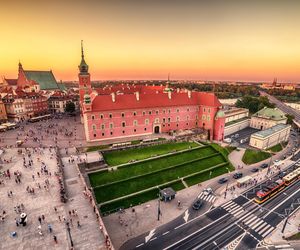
point(158, 205)
point(69, 232)
point(269, 166)
point(226, 184)
point(210, 172)
point(287, 216)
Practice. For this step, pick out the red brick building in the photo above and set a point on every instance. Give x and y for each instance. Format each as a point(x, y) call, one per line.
point(127, 111)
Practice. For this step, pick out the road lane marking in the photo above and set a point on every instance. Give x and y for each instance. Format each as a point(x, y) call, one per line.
point(264, 229)
point(153, 238)
point(261, 226)
point(150, 235)
point(186, 215)
point(139, 245)
point(254, 222)
point(188, 236)
point(250, 218)
point(166, 233)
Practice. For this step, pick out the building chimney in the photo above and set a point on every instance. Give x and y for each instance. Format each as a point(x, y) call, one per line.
point(189, 94)
point(170, 94)
point(113, 97)
point(137, 95)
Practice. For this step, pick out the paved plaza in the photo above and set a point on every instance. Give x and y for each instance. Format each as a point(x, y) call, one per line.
point(35, 190)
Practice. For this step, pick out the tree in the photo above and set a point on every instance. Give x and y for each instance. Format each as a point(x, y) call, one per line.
point(254, 104)
point(70, 107)
point(290, 118)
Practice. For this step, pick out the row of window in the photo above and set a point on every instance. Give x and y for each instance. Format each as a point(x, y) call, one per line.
point(149, 113)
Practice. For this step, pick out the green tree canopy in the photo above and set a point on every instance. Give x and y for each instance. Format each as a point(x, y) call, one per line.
point(254, 104)
point(70, 107)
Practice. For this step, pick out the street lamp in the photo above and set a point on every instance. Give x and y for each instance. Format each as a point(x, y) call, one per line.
point(158, 205)
point(287, 216)
point(210, 172)
point(69, 232)
point(269, 167)
point(226, 184)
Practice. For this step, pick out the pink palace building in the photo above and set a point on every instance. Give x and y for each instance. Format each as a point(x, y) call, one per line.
point(128, 110)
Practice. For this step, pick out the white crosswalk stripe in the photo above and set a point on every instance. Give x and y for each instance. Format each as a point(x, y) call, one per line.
point(251, 220)
point(209, 198)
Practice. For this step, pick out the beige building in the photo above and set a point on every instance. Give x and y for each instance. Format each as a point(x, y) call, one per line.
point(270, 137)
point(235, 114)
point(267, 118)
point(3, 115)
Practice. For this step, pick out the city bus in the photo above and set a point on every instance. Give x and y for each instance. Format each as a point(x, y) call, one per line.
point(40, 118)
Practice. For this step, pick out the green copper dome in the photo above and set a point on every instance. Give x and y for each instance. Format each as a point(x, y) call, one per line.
point(220, 114)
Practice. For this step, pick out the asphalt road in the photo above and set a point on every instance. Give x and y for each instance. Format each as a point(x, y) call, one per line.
point(240, 222)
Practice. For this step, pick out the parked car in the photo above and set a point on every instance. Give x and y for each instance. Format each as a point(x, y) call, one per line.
point(254, 170)
point(222, 180)
point(236, 135)
point(207, 191)
point(282, 174)
point(264, 165)
point(228, 140)
point(197, 204)
point(237, 175)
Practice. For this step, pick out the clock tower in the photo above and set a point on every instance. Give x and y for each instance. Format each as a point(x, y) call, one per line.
point(84, 77)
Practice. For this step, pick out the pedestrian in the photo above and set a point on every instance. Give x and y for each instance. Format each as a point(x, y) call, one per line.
point(55, 209)
point(40, 219)
point(178, 203)
point(78, 224)
point(43, 217)
point(50, 228)
point(17, 222)
point(55, 239)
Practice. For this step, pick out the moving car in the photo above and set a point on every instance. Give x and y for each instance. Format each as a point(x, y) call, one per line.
point(254, 170)
point(197, 204)
point(265, 165)
point(207, 191)
point(237, 175)
point(222, 180)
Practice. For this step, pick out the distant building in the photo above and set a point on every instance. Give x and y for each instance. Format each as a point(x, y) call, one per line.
point(3, 115)
point(116, 114)
point(58, 101)
point(270, 137)
point(235, 114)
point(267, 118)
point(277, 85)
point(34, 80)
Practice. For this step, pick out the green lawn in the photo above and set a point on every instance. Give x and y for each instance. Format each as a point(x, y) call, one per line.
point(275, 148)
point(137, 199)
point(124, 156)
point(119, 189)
point(252, 156)
point(139, 168)
point(294, 237)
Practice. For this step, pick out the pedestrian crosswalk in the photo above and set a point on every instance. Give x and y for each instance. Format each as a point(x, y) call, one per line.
point(209, 198)
point(248, 218)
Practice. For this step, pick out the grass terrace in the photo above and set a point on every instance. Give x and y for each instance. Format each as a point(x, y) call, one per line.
point(138, 182)
point(276, 148)
point(253, 156)
point(115, 158)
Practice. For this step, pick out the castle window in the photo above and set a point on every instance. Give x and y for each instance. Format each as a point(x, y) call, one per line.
point(177, 118)
point(144, 113)
point(208, 110)
point(110, 115)
point(94, 127)
point(93, 117)
point(177, 110)
point(150, 112)
point(169, 111)
point(101, 116)
point(169, 119)
point(123, 132)
point(111, 133)
point(95, 135)
point(188, 110)
point(157, 112)
point(145, 129)
point(156, 120)
point(102, 126)
point(134, 113)
point(102, 134)
point(177, 125)
point(123, 124)
point(134, 130)
point(147, 121)
point(203, 117)
point(187, 123)
point(111, 125)
point(208, 117)
point(187, 118)
point(164, 111)
point(203, 109)
point(123, 114)
point(164, 120)
point(135, 123)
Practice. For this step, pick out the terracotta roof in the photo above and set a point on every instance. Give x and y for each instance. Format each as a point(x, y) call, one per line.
point(128, 89)
point(129, 101)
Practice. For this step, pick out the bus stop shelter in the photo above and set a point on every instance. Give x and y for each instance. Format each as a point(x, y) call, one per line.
point(167, 194)
point(244, 180)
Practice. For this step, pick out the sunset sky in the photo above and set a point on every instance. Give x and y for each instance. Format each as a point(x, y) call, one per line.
point(210, 40)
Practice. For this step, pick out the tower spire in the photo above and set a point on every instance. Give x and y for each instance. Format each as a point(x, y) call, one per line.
point(82, 54)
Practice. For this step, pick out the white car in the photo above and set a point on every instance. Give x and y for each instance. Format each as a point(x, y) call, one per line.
point(207, 191)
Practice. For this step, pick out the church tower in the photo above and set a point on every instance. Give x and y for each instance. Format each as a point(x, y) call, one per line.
point(84, 77)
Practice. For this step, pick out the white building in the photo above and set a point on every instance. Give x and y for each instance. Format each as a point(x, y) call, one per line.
point(270, 137)
point(267, 118)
